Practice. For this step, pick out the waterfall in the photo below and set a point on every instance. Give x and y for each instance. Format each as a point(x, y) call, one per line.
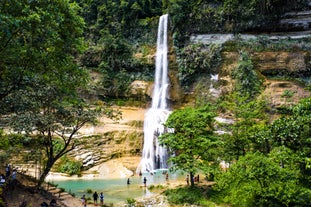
point(154, 155)
point(213, 91)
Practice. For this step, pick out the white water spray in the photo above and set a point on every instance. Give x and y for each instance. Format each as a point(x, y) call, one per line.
point(154, 155)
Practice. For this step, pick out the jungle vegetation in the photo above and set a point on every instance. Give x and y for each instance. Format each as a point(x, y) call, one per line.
point(49, 47)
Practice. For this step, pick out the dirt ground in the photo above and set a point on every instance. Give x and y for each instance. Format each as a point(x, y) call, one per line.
point(24, 194)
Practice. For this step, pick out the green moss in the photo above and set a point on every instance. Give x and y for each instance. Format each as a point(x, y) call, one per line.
point(136, 123)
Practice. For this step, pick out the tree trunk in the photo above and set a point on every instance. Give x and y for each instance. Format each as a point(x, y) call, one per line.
point(46, 170)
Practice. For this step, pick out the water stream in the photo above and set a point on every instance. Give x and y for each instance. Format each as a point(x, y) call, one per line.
point(154, 155)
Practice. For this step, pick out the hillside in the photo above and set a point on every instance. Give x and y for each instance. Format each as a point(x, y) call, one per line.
point(69, 69)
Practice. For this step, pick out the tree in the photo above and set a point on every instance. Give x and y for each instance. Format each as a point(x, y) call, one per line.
point(294, 131)
point(192, 142)
point(258, 180)
point(39, 79)
point(248, 115)
point(38, 41)
point(248, 111)
point(55, 127)
point(281, 175)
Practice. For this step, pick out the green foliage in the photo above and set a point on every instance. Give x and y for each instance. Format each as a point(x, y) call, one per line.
point(115, 52)
point(256, 180)
point(303, 108)
point(37, 39)
point(188, 195)
point(278, 174)
point(199, 17)
point(293, 131)
point(287, 94)
point(247, 82)
point(4, 141)
point(179, 11)
point(287, 131)
point(136, 123)
point(155, 187)
point(202, 91)
point(131, 201)
point(69, 166)
point(195, 59)
point(116, 79)
point(192, 142)
point(89, 191)
point(40, 80)
point(114, 24)
point(249, 116)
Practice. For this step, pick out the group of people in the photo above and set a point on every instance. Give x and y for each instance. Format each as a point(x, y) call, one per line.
point(96, 196)
point(145, 179)
point(53, 203)
point(195, 179)
point(100, 196)
point(8, 176)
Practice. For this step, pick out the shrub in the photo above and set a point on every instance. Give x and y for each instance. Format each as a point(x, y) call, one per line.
point(89, 190)
point(131, 201)
point(190, 195)
point(69, 166)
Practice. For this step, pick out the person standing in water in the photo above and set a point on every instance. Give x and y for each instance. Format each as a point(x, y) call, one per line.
point(145, 181)
point(101, 198)
point(95, 197)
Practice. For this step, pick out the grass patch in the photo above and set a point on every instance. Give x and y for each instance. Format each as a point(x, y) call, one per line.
point(201, 196)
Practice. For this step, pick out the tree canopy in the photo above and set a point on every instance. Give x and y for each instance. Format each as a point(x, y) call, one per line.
point(39, 77)
point(191, 142)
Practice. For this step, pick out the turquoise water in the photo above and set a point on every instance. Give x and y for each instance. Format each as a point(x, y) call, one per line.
point(115, 190)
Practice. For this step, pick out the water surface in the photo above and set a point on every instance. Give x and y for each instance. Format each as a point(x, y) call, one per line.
point(115, 190)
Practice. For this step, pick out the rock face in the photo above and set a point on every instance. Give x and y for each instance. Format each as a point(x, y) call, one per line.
point(271, 64)
point(109, 140)
point(123, 140)
point(282, 93)
point(296, 21)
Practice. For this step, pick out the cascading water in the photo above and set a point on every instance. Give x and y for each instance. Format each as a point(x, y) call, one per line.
point(213, 91)
point(154, 155)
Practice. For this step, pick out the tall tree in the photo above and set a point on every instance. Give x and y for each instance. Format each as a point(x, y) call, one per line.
point(248, 115)
point(38, 40)
point(191, 142)
point(246, 109)
point(39, 78)
point(294, 131)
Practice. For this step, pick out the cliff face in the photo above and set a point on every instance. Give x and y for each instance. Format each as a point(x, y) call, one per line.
point(110, 140)
point(271, 65)
point(124, 139)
